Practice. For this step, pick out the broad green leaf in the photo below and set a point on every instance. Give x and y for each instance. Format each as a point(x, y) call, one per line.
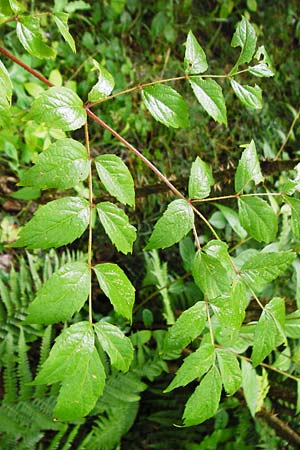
point(175, 223)
point(204, 402)
point(233, 219)
point(30, 36)
point(250, 96)
point(292, 185)
point(63, 165)
point(292, 325)
point(200, 180)
point(5, 9)
point(117, 287)
point(255, 387)
point(61, 20)
point(5, 88)
point(245, 38)
point(248, 169)
point(266, 267)
point(194, 366)
point(219, 250)
point(261, 70)
point(59, 107)
point(104, 85)
point(62, 295)
point(269, 331)
point(187, 253)
point(57, 223)
point(230, 371)
point(16, 7)
point(258, 218)
point(283, 360)
point(194, 58)
point(295, 210)
point(116, 224)
point(116, 178)
point(209, 95)
point(115, 344)
point(166, 105)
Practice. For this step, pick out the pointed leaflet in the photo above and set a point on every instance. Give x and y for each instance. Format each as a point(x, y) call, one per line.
point(59, 107)
point(117, 287)
point(104, 85)
point(194, 58)
point(117, 226)
point(5, 88)
point(258, 218)
point(230, 371)
point(255, 387)
point(30, 36)
point(63, 165)
point(62, 295)
point(61, 20)
point(295, 219)
point(166, 105)
point(115, 344)
point(209, 95)
point(58, 223)
point(292, 325)
point(261, 70)
point(250, 96)
point(245, 38)
point(204, 402)
point(116, 178)
point(175, 223)
point(248, 169)
point(233, 219)
point(200, 180)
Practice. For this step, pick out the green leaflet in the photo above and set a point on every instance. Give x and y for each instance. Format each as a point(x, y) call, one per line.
point(204, 402)
point(117, 287)
point(295, 210)
point(166, 105)
point(269, 331)
point(175, 223)
point(230, 371)
point(250, 96)
point(61, 20)
point(62, 295)
point(258, 218)
point(59, 107)
point(245, 38)
point(233, 219)
point(261, 70)
point(255, 387)
point(292, 325)
point(30, 36)
point(116, 178)
point(57, 223)
point(115, 344)
point(117, 226)
point(200, 180)
point(209, 95)
point(248, 169)
point(104, 85)
point(194, 366)
point(5, 88)
point(63, 165)
point(194, 58)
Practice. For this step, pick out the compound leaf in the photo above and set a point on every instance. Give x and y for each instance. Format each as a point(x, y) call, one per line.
point(200, 180)
point(250, 96)
point(5, 88)
point(194, 58)
point(245, 38)
point(209, 95)
point(29, 34)
point(258, 218)
point(248, 169)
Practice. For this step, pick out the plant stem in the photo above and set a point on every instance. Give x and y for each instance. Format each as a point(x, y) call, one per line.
point(288, 135)
point(225, 197)
point(196, 238)
point(209, 323)
point(90, 238)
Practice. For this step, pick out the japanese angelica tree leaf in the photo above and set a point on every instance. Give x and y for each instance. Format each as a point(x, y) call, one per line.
point(55, 224)
point(116, 178)
point(295, 212)
point(261, 70)
point(61, 20)
point(29, 34)
point(63, 165)
point(166, 105)
point(200, 180)
point(230, 371)
point(258, 218)
point(269, 331)
point(104, 85)
point(62, 295)
point(116, 224)
point(250, 96)
point(194, 58)
point(117, 287)
point(194, 366)
point(245, 38)
point(175, 223)
point(204, 402)
point(5, 88)
point(115, 344)
point(59, 107)
point(232, 218)
point(209, 94)
point(248, 169)
point(255, 387)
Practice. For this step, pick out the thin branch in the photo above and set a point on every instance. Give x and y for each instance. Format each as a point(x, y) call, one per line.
point(288, 135)
point(90, 238)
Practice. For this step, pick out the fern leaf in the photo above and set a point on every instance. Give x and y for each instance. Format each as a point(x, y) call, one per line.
point(44, 353)
point(24, 372)
point(9, 373)
point(6, 299)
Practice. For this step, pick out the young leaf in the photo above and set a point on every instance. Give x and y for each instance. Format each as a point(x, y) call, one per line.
point(61, 20)
point(233, 219)
point(115, 344)
point(261, 70)
point(5, 88)
point(117, 287)
point(166, 105)
point(63, 165)
point(57, 223)
point(255, 387)
point(59, 107)
point(200, 180)
point(175, 223)
point(117, 226)
point(194, 58)
point(62, 295)
point(204, 402)
point(29, 34)
point(248, 169)
point(230, 371)
point(258, 218)
point(209, 95)
point(248, 95)
point(245, 38)
point(104, 85)
point(269, 331)
point(116, 178)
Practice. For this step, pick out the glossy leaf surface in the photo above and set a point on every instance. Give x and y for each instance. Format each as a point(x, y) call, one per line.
point(29, 34)
point(194, 58)
point(258, 218)
point(5, 88)
point(200, 180)
point(250, 96)
point(248, 168)
point(61, 20)
point(209, 95)
point(104, 85)
point(245, 38)
point(230, 370)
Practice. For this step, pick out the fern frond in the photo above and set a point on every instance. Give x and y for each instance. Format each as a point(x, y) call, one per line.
point(6, 299)
point(23, 370)
point(9, 372)
point(70, 439)
point(44, 353)
point(54, 444)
